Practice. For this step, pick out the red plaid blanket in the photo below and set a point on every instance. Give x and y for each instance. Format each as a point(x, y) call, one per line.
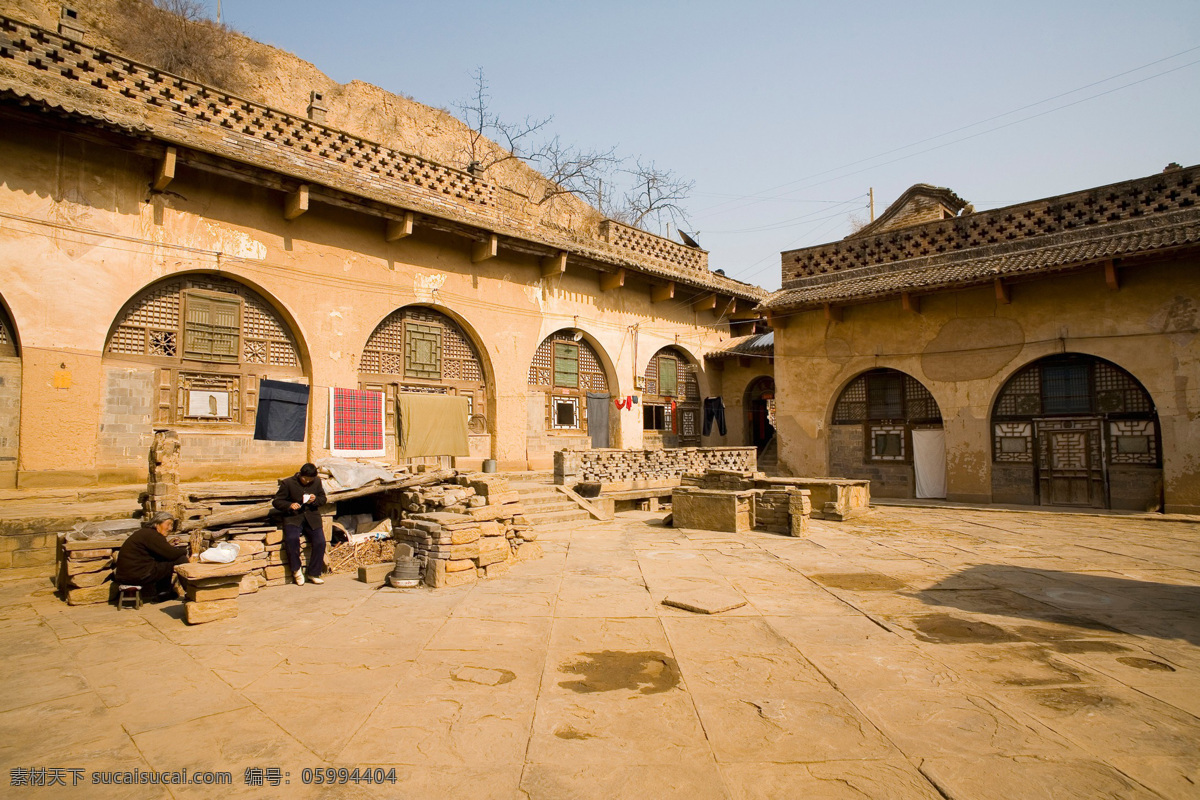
point(357, 420)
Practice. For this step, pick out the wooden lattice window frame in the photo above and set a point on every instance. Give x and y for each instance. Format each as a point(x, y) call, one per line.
point(423, 351)
point(210, 319)
point(668, 387)
point(566, 365)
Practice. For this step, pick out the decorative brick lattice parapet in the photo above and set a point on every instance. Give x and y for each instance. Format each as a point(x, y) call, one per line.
point(1028, 222)
point(130, 94)
point(655, 248)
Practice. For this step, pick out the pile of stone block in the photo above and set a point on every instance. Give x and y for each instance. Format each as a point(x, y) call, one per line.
point(480, 541)
point(211, 590)
point(87, 557)
point(260, 549)
point(631, 469)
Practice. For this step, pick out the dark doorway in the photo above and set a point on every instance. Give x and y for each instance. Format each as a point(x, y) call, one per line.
point(760, 412)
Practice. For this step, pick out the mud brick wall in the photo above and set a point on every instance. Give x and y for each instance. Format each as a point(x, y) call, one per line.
point(625, 466)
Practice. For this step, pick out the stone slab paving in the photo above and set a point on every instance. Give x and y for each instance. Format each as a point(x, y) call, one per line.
point(915, 653)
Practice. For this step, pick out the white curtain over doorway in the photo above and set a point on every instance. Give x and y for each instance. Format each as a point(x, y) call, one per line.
point(929, 462)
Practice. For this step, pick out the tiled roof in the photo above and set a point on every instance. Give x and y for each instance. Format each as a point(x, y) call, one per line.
point(980, 265)
point(756, 344)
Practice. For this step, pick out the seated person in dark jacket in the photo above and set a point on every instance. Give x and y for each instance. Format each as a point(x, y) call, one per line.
point(147, 559)
point(298, 500)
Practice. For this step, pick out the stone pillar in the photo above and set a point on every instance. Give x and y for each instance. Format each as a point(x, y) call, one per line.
point(566, 467)
point(162, 484)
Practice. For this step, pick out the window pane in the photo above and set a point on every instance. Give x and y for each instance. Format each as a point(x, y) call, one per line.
point(566, 365)
point(212, 328)
point(564, 414)
point(1013, 444)
point(668, 377)
point(1065, 389)
point(1139, 445)
point(887, 445)
point(885, 396)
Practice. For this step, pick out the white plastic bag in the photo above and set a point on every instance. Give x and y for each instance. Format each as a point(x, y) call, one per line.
point(221, 553)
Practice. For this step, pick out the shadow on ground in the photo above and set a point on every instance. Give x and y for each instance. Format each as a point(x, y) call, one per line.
point(1090, 603)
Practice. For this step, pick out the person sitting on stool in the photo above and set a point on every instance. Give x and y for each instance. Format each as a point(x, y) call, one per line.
point(147, 559)
point(299, 498)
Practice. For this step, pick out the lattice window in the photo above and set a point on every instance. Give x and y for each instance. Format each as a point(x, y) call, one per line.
point(1065, 389)
point(1022, 396)
point(422, 351)
point(851, 407)
point(670, 374)
point(886, 443)
point(1012, 442)
point(152, 324)
point(420, 343)
point(564, 413)
point(1118, 393)
point(591, 374)
point(886, 394)
point(1133, 441)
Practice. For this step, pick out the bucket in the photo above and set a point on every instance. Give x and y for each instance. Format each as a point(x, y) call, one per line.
point(489, 465)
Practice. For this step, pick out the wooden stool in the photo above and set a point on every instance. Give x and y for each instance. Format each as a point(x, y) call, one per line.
point(129, 596)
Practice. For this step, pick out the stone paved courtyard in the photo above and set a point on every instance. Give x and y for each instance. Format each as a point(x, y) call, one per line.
point(918, 653)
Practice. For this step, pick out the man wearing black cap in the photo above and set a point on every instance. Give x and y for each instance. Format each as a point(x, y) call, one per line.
point(298, 499)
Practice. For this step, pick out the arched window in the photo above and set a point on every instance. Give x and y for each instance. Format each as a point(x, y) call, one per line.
point(1095, 393)
point(418, 349)
point(211, 339)
point(671, 403)
point(566, 367)
point(888, 404)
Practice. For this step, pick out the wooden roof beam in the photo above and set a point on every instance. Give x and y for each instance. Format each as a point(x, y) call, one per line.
point(612, 280)
point(554, 265)
point(706, 303)
point(485, 248)
point(1003, 292)
point(1112, 275)
point(166, 169)
point(832, 313)
point(910, 303)
point(397, 229)
point(661, 294)
point(296, 202)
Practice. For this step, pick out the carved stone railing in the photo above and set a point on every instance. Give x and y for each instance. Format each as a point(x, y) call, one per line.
point(1158, 194)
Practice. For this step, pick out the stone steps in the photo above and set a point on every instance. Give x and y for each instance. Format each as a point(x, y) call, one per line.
point(546, 507)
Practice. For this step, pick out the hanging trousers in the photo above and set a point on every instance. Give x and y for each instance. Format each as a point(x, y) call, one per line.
point(714, 409)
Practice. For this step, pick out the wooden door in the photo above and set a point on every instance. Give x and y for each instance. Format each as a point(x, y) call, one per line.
point(689, 428)
point(1071, 463)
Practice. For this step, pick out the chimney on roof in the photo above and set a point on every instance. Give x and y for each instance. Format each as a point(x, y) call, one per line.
point(316, 106)
point(69, 24)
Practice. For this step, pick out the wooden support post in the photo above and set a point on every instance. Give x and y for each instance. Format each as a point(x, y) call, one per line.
point(166, 169)
point(706, 303)
point(910, 303)
point(612, 280)
point(1003, 292)
point(832, 313)
point(661, 294)
point(485, 249)
point(296, 203)
point(1111, 276)
point(555, 264)
point(399, 228)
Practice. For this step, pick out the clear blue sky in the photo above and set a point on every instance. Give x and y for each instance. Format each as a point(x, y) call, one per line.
point(779, 111)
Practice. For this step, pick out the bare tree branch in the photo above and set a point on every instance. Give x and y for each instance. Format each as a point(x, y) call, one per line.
point(656, 193)
point(574, 171)
point(486, 128)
